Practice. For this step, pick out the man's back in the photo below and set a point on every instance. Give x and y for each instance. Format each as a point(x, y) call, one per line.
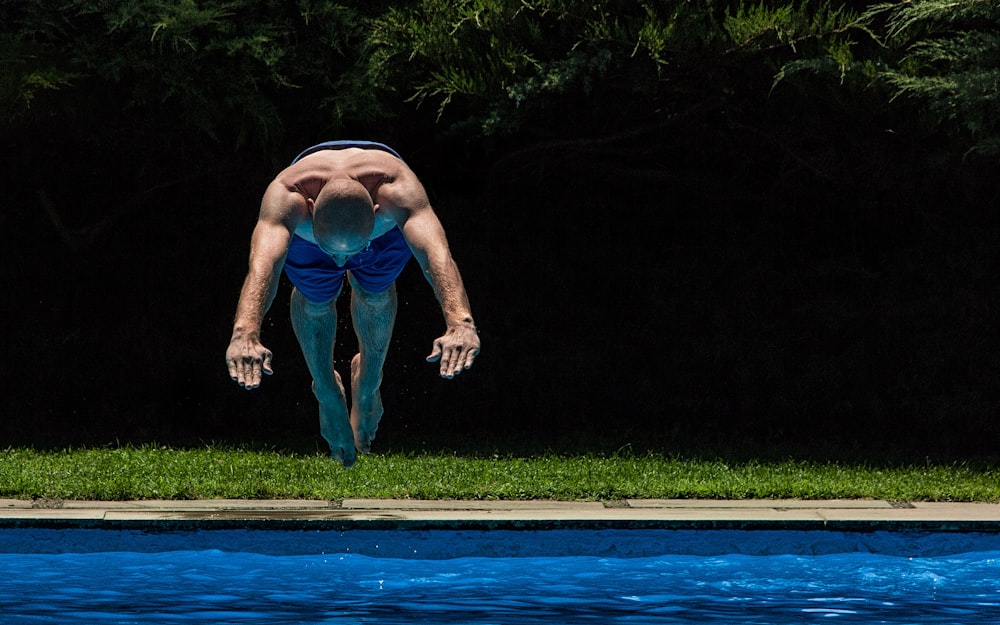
point(372, 168)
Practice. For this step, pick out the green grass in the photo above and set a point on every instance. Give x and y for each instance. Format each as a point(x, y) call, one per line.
point(153, 472)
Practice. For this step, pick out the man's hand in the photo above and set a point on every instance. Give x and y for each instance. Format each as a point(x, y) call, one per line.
point(456, 350)
point(248, 360)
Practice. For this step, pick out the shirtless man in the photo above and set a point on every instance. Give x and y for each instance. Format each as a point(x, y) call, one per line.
point(354, 208)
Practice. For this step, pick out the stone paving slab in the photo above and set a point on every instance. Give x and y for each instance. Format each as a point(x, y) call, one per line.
point(632, 512)
point(754, 504)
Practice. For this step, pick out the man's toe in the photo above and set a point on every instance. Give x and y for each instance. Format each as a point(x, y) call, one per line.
point(364, 443)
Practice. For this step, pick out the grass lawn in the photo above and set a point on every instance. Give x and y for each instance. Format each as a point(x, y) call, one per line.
point(154, 472)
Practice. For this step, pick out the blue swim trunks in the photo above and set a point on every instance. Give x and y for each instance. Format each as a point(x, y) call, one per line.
point(315, 274)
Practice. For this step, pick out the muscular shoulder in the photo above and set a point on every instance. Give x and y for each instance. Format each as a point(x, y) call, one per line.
point(401, 190)
point(284, 203)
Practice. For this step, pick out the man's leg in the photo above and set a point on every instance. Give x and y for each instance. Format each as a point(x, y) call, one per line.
point(374, 315)
point(315, 326)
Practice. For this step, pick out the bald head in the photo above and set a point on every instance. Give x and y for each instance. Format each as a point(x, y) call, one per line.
point(343, 218)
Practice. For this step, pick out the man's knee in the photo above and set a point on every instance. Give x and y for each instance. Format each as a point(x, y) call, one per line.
point(309, 307)
point(382, 298)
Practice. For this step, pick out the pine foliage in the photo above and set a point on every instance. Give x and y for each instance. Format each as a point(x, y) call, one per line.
point(951, 62)
point(234, 68)
point(245, 70)
point(500, 63)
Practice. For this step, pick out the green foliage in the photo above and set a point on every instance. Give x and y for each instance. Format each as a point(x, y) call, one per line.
point(28, 67)
point(505, 63)
point(788, 25)
point(246, 69)
point(942, 55)
point(950, 61)
point(24, 74)
point(220, 68)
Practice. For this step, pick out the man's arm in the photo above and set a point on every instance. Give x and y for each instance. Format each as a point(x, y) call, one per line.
point(458, 347)
point(246, 357)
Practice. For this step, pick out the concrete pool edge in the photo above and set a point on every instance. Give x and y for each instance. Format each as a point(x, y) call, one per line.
point(846, 515)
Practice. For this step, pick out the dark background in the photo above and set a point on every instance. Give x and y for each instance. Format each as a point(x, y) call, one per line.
point(772, 274)
point(689, 306)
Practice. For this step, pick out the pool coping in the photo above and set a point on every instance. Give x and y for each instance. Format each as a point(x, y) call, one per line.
point(841, 514)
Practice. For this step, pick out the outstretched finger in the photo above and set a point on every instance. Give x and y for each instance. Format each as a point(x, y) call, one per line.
point(242, 374)
point(250, 375)
point(453, 362)
point(470, 356)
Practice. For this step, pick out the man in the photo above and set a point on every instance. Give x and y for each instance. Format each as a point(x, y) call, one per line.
point(349, 208)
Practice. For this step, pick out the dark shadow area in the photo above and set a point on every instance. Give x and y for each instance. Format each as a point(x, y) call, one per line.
point(696, 291)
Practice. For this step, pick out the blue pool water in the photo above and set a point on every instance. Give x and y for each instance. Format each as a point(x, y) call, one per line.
point(500, 576)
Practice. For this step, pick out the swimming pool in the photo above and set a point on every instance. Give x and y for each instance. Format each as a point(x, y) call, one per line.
point(496, 576)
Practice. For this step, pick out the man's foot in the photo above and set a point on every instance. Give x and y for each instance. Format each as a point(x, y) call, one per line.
point(337, 432)
point(344, 454)
point(335, 427)
point(366, 409)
